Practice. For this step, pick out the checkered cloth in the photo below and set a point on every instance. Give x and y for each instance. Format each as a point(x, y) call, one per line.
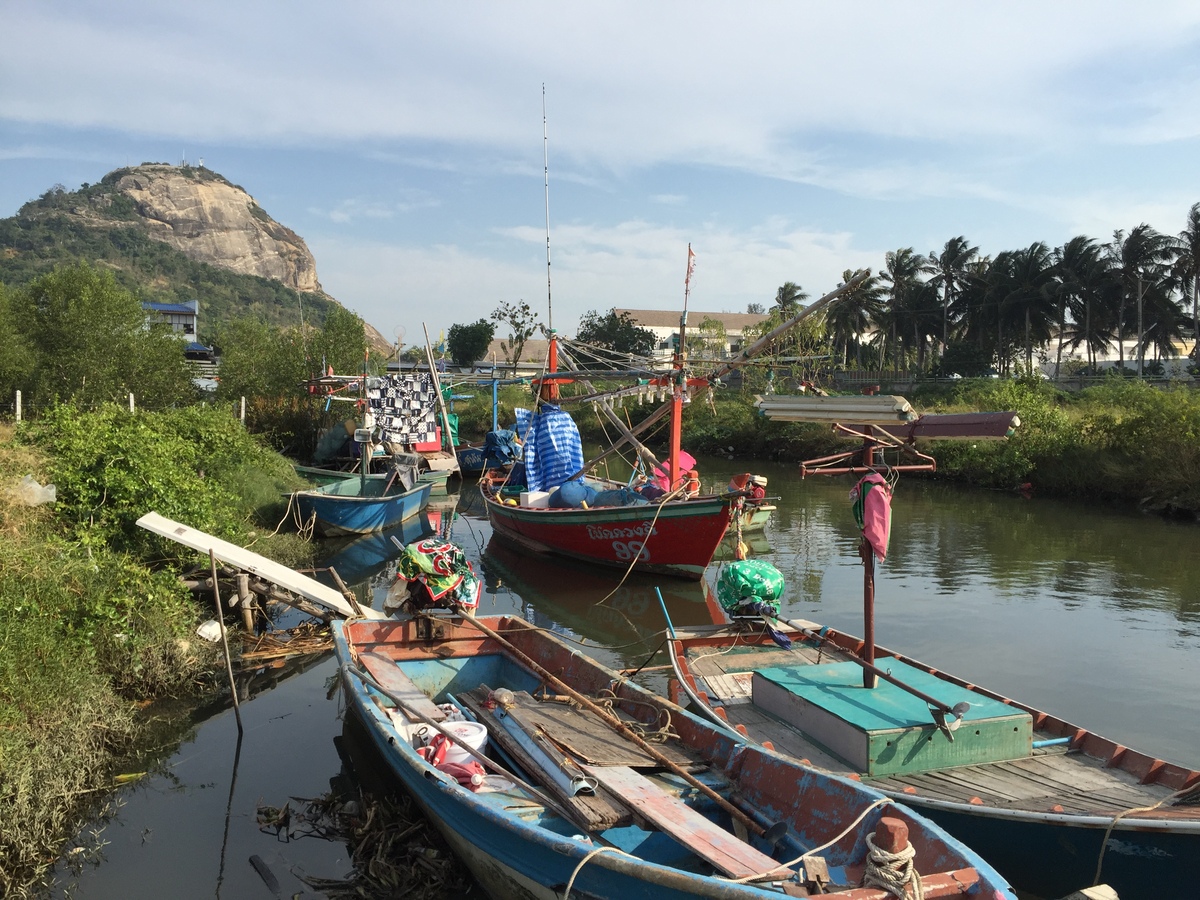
point(405, 407)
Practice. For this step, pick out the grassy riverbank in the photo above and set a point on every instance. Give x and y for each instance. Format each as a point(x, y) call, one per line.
point(93, 620)
point(1122, 442)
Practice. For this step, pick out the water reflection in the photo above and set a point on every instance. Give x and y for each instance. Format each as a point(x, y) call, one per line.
point(586, 601)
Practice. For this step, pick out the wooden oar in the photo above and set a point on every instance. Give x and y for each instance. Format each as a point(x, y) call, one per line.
point(618, 726)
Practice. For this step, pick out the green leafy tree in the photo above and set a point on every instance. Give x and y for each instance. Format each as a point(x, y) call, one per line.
point(469, 343)
point(341, 342)
point(755, 309)
point(258, 361)
point(617, 332)
point(92, 344)
point(521, 321)
point(707, 339)
point(16, 357)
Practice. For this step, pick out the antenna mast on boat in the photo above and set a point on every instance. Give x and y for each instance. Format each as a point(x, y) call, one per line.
point(546, 164)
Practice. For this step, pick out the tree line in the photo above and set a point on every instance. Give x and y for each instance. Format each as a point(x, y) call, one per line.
point(75, 335)
point(956, 310)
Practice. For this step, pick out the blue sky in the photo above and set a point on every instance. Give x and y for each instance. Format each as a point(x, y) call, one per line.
point(784, 141)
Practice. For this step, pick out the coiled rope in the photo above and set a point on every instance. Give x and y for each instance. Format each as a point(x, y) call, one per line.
point(894, 872)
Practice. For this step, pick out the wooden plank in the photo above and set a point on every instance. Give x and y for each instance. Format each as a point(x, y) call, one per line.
point(390, 676)
point(674, 817)
point(247, 561)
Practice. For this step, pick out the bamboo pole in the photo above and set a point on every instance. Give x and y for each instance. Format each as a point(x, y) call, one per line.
point(437, 386)
point(237, 709)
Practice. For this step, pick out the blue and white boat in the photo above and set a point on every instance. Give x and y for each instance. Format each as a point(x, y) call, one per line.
point(359, 505)
point(549, 800)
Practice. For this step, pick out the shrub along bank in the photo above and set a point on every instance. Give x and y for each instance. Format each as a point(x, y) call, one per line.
point(1123, 441)
point(93, 618)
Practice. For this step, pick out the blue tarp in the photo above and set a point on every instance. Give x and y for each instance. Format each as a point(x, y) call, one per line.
point(553, 451)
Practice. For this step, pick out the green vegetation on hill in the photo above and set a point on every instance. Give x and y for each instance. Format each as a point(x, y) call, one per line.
point(33, 246)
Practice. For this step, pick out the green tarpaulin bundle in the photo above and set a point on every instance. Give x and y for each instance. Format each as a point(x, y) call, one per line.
point(745, 586)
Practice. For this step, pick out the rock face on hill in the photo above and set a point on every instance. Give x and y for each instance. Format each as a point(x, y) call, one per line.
point(212, 221)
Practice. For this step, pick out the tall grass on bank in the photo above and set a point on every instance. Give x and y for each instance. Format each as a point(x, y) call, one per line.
point(93, 618)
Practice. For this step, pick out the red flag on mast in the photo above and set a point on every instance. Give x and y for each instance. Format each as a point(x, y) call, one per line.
point(691, 267)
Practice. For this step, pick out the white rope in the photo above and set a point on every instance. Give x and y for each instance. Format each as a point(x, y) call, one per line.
point(583, 862)
point(893, 872)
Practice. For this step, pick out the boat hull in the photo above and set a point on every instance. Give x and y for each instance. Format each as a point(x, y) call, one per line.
point(1046, 831)
point(338, 514)
point(1055, 858)
point(679, 538)
point(535, 854)
point(470, 457)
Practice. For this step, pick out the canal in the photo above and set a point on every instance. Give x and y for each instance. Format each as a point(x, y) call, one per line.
point(1089, 613)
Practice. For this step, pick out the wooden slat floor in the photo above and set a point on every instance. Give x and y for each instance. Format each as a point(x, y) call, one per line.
point(1048, 779)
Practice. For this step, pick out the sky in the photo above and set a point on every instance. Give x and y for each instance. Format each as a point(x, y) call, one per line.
point(411, 144)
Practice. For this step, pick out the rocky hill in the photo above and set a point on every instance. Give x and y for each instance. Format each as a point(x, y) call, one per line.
point(197, 212)
point(173, 233)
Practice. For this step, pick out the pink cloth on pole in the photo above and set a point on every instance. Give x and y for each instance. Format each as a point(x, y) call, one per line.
point(876, 499)
point(662, 474)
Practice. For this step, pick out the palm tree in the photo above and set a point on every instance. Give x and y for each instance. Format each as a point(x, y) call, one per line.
point(902, 284)
point(1139, 264)
point(788, 299)
point(851, 314)
point(949, 274)
point(1078, 283)
point(1187, 269)
point(1033, 295)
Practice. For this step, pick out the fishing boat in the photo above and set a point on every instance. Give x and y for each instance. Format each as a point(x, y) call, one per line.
point(676, 533)
point(440, 481)
point(360, 505)
point(1054, 805)
point(547, 799)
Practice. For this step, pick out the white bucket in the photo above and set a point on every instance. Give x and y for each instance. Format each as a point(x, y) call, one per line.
point(472, 734)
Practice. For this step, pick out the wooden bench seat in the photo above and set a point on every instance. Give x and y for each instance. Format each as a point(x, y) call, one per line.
point(390, 676)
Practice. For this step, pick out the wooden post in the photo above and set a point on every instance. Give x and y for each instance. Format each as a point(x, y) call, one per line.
point(242, 412)
point(237, 709)
point(131, 406)
point(868, 558)
point(245, 601)
point(18, 406)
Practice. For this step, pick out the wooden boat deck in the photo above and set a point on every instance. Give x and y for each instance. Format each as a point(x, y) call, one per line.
point(1050, 780)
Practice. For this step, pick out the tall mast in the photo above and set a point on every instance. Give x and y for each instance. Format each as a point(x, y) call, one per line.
point(546, 164)
point(549, 391)
point(680, 378)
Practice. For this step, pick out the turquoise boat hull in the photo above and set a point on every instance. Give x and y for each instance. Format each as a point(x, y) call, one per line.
point(350, 507)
